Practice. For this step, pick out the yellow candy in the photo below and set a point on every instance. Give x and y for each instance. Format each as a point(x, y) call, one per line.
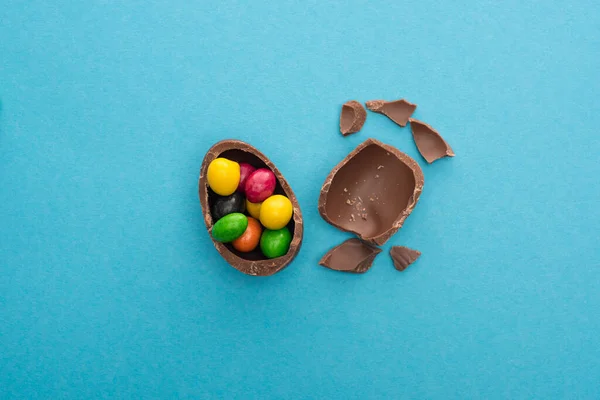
point(223, 176)
point(253, 209)
point(276, 212)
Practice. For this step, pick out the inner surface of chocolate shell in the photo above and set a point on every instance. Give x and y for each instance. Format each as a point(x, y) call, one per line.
point(254, 262)
point(371, 192)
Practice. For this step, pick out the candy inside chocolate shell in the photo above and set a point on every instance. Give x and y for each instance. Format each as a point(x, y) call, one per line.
point(371, 191)
point(252, 263)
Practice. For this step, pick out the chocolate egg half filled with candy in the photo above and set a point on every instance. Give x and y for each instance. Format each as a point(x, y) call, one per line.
point(371, 191)
point(253, 262)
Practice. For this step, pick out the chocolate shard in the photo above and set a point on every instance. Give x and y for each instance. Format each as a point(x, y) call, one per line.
point(429, 142)
point(371, 192)
point(351, 256)
point(352, 117)
point(398, 111)
point(252, 263)
point(403, 256)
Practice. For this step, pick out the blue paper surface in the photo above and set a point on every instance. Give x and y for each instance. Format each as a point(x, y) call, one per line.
point(110, 286)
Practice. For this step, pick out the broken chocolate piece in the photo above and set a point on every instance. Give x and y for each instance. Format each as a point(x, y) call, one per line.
point(352, 118)
point(351, 256)
point(395, 192)
point(398, 111)
point(429, 142)
point(252, 263)
point(403, 257)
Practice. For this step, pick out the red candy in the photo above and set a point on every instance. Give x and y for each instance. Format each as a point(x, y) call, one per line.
point(260, 185)
point(245, 171)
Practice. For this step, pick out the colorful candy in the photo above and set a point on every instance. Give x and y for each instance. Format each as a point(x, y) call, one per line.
point(276, 212)
point(243, 188)
point(230, 227)
point(227, 205)
point(251, 237)
point(260, 185)
point(275, 243)
point(253, 209)
point(223, 176)
point(245, 171)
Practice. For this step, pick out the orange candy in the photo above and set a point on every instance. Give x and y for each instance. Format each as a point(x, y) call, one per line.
point(251, 237)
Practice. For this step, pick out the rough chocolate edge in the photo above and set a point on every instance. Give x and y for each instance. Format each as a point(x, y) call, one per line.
point(377, 106)
point(403, 257)
point(259, 267)
point(361, 267)
point(419, 182)
point(448, 153)
point(359, 116)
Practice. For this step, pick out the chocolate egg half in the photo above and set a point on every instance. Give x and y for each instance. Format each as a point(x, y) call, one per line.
point(252, 263)
point(371, 191)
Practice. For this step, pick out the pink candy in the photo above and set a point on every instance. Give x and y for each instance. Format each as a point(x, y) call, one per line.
point(260, 185)
point(245, 171)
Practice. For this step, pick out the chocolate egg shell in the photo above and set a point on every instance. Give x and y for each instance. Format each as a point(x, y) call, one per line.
point(352, 117)
point(371, 191)
point(429, 142)
point(254, 262)
point(351, 256)
point(398, 111)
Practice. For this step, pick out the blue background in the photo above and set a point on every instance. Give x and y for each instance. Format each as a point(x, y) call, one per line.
point(110, 286)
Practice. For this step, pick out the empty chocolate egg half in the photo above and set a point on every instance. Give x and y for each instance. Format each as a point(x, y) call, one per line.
point(254, 262)
point(371, 191)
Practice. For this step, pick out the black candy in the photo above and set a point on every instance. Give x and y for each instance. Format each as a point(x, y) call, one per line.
point(227, 205)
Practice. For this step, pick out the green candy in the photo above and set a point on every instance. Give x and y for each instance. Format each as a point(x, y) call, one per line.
point(230, 227)
point(275, 243)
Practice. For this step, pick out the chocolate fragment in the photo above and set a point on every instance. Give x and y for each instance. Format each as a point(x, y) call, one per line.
point(429, 142)
point(352, 118)
point(398, 111)
point(252, 263)
point(391, 197)
point(351, 256)
point(403, 257)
